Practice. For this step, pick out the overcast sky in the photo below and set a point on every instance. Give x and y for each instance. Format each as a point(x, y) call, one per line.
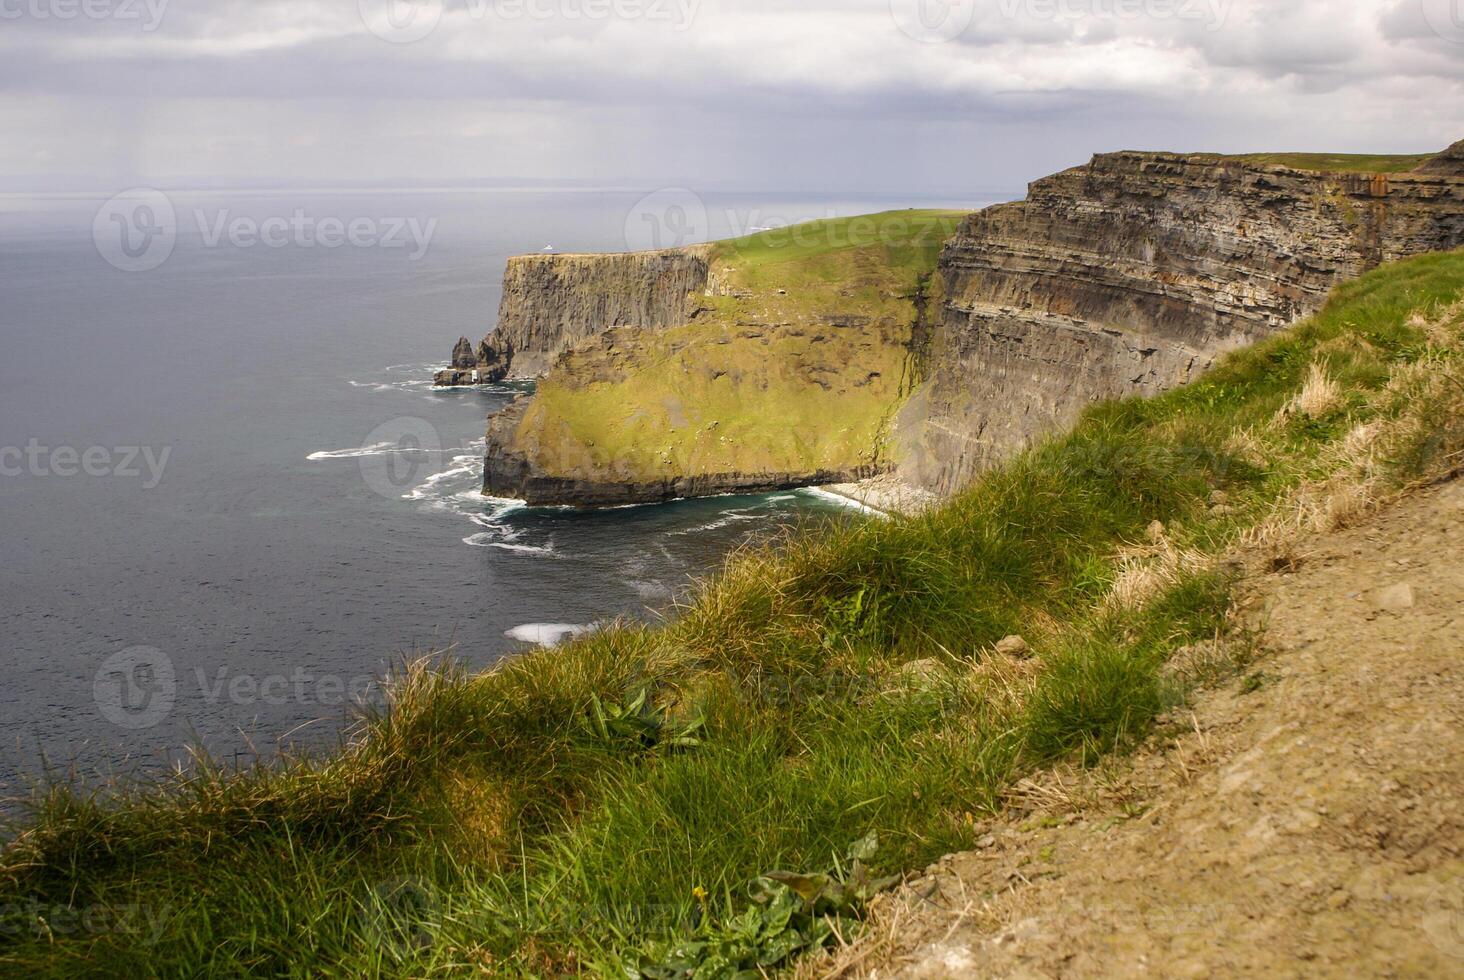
point(868, 95)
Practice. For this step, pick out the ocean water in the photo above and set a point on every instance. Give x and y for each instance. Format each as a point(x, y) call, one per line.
point(230, 498)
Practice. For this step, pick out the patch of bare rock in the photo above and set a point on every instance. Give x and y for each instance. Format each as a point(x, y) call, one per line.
point(885, 493)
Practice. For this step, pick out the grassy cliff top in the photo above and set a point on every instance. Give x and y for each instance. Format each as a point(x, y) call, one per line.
point(886, 253)
point(1343, 163)
point(911, 229)
point(616, 805)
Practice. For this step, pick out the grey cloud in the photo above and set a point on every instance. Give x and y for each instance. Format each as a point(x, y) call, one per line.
point(754, 90)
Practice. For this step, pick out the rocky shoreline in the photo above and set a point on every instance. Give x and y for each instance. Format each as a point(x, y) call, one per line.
point(485, 364)
point(885, 494)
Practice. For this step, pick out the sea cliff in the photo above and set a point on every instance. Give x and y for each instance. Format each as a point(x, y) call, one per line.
point(928, 344)
point(1131, 274)
point(552, 302)
point(835, 712)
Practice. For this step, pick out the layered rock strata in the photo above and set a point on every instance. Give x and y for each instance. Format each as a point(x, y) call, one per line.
point(760, 364)
point(552, 302)
point(1130, 275)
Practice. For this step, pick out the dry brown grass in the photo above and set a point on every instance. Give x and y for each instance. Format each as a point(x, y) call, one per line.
point(1005, 682)
point(1410, 407)
point(1442, 327)
point(1246, 446)
point(1146, 571)
point(1320, 395)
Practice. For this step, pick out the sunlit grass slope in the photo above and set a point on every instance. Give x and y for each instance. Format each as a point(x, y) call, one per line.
point(794, 364)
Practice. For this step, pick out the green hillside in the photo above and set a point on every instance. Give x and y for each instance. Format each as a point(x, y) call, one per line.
point(609, 805)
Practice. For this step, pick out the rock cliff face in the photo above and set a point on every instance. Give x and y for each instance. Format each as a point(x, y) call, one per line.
point(552, 302)
point(1130, 275)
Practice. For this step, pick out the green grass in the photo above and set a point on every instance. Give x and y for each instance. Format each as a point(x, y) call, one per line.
point(916, 236)
point(493, 823)
point(1349, 163)
point(707, 398)
point(762, 381)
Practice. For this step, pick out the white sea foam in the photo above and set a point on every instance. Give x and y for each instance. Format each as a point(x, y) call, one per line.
point(390, 385)
point(464, 465)
point(470, 503)
point(546, 634)
point(491, 387)
point(546, 550)
point(493, 523)
point(504, 537)
point(730, 517)
point(380, 449)
point(841, 500)
point(500, 505)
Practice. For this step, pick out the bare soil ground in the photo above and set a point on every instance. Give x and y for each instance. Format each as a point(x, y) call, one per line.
point(1303, 820)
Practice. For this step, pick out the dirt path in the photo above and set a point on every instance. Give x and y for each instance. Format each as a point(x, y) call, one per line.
point(1305, 820)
